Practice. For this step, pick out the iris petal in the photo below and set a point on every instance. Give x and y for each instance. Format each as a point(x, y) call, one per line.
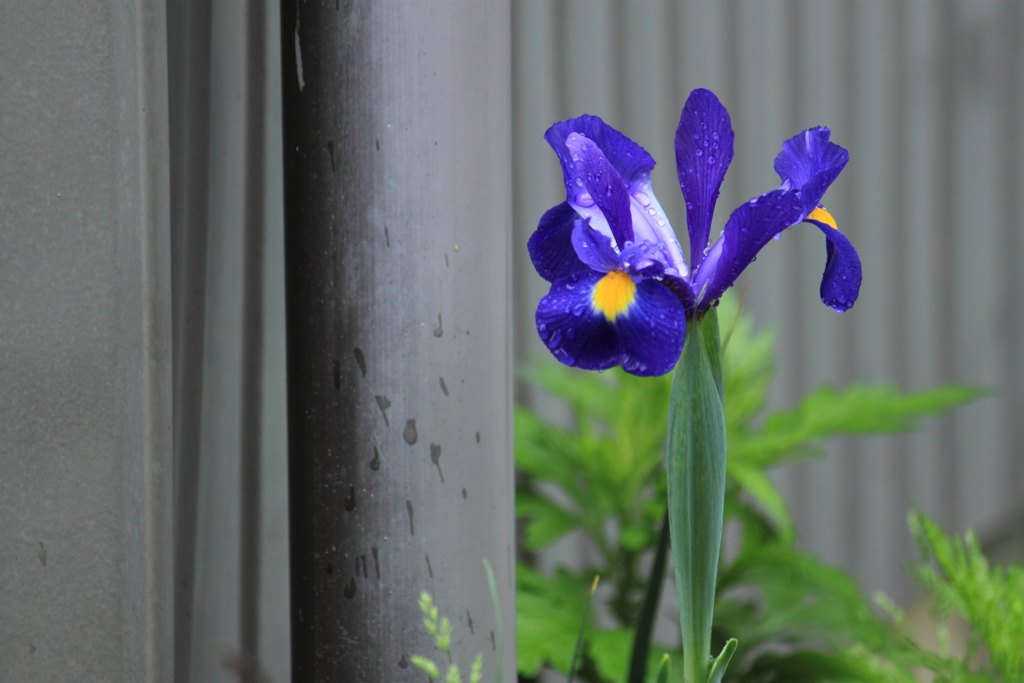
point(630, 160)
point(551, 244)
point(575, 333)
point(704, 149)
point(650, 224)
point(646, 338)
point(840, 283)
point(594, 248)
point(810, 163)
point(602, 186)
point(653, 332)
point(748, 229)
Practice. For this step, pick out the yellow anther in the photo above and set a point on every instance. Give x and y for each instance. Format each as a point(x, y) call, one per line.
point(823, 216)
point(613, 294)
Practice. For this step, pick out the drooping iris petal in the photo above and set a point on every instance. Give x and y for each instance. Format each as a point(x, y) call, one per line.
point(603, 186)
point(704, 148)
point(748, 229)
point(594, 248)
point(840, 283)
point(809, 163)
point(551, 244)
point(653, 332)
point(599, 320)
point(572, 329)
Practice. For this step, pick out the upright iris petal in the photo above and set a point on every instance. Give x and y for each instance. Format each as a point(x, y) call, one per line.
point(634, 165)
point(704, 147)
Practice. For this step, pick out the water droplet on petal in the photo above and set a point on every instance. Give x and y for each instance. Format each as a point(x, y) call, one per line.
point(652, 212)
point(703, 125)
point(698, 153)
point(556, 339)
point(715, 135)
point(579, 182)
point(642, 198)
point(777, 236)
point(711, 160)
point(584, 199)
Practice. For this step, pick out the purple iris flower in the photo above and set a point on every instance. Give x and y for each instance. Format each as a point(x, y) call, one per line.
point(621, 290)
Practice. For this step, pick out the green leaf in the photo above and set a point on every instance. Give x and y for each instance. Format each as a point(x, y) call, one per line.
point(499, 624)
point(545, 633)
point(858, 410)
point(476, 670)
point(649, 612)
point(664, 668)
point(426, 664)
point(548, 521)
point(696, 487)
point(758, 486)
point(721, 662)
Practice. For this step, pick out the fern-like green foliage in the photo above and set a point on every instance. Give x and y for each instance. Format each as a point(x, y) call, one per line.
point(441, 628)
point(990, 600)
point(602, 476)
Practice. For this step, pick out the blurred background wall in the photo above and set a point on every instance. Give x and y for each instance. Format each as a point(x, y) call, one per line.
point(927, 96)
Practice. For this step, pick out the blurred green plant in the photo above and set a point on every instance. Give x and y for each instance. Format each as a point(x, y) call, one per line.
point(796, 619)
point(441, 628)
point(989, 600)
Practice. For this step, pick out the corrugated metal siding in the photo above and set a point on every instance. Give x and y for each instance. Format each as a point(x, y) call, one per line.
point(927, 97)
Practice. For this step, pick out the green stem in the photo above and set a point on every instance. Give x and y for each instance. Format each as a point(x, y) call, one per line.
point(645, 625)
point(696, 487)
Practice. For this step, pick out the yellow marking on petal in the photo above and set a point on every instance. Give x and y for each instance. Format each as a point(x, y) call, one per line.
point(821, 215)
point(613, 294)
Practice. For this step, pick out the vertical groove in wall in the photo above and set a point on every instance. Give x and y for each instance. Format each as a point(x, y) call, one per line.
point(252, 338)
point(730, 95)
point(898, 303)
point(560, 22)
point(188, 47)
point(944, 264)
point(1011, 243)
point(799, 479)
point(620, 112)
point(847, 450)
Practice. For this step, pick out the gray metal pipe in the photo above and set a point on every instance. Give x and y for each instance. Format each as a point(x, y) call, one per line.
point(397, 254)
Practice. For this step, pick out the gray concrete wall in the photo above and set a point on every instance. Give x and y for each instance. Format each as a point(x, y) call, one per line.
point(85, 451)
